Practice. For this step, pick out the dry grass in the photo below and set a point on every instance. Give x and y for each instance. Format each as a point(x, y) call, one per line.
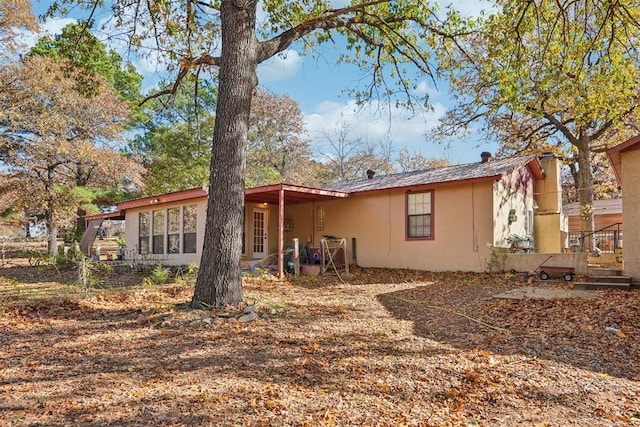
point(387, 348)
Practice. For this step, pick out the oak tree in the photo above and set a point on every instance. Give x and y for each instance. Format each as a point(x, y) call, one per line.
point(409, 162)
point(175, 142)
point(277, 147)
point(195, 36)
point(559, 77)
point(348, 157)
point(89, 57)
point(51, 132)
point(93, 66)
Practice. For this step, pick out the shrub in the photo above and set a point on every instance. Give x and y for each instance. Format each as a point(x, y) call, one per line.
point(159, 275)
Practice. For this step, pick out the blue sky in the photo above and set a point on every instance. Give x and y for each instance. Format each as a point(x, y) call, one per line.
point(318, 84)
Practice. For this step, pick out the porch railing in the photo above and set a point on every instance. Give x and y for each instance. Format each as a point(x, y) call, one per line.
point(608, 239)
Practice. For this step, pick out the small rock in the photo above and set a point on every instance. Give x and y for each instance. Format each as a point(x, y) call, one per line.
point(142, 319)
point(611, 330)
point(247, 317)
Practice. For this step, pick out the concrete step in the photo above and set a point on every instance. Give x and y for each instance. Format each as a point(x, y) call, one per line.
point(593, 286)
point(604, 271)
point(610, 279)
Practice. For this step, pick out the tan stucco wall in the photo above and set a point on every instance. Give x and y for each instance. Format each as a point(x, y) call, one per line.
point(549, 194)
point(463, 229)
point(470, 219)
point(550, 224)
point(131, 234)
point(630, 204)
point(551, 232)
point(302, 216)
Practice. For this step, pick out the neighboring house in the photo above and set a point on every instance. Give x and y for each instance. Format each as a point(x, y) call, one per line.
point(442, 219)
point(607, 217)
point(625, 159)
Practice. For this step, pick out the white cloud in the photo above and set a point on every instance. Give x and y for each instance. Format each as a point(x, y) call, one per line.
point(280, 67)
point(377, 122)
point(50, 27)
point(423, 88)
point(374, 122)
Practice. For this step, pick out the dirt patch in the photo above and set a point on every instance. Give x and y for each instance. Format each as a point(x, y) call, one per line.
point(386, 348)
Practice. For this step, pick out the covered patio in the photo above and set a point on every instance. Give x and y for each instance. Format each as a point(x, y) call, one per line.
point(287, 194)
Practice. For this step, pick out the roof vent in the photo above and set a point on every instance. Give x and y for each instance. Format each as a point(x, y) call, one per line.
point(485, 156)
point(370, 173)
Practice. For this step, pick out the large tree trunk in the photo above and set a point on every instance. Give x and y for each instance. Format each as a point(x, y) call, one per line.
point(49, 212)
point(584, 184)
point(81, 181)
point(52, 229)
point(219, 279)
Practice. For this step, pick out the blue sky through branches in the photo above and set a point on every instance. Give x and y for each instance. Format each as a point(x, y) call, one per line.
point(318, 85)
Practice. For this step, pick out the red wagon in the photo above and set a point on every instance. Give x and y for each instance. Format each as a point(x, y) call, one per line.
point(547, 271)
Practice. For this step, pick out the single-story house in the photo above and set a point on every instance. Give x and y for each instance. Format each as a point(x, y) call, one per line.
point(442, 219)
point(625, 159)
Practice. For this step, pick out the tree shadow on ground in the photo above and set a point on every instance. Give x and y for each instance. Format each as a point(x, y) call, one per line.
point(94, 363)
point(570, 331)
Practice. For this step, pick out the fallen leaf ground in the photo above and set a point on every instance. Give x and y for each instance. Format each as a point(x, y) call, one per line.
point(385, 348)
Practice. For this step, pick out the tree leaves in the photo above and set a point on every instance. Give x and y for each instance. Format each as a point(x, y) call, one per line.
point(15, 16)
point(55, 138)
point(558, 77)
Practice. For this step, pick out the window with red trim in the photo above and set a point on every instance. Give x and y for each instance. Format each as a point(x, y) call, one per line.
point(419, 215)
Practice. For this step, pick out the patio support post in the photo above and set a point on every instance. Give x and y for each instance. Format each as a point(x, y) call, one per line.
point(296, 257)
point(281, 234)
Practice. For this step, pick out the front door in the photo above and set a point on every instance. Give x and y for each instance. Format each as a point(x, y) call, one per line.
point(259, 233)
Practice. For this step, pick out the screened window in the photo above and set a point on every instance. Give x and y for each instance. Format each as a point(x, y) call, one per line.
point(419, 215)
point(158, 232)
point(189, 227)
point(144, 231)
point(173, 231)
point(321, 218)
